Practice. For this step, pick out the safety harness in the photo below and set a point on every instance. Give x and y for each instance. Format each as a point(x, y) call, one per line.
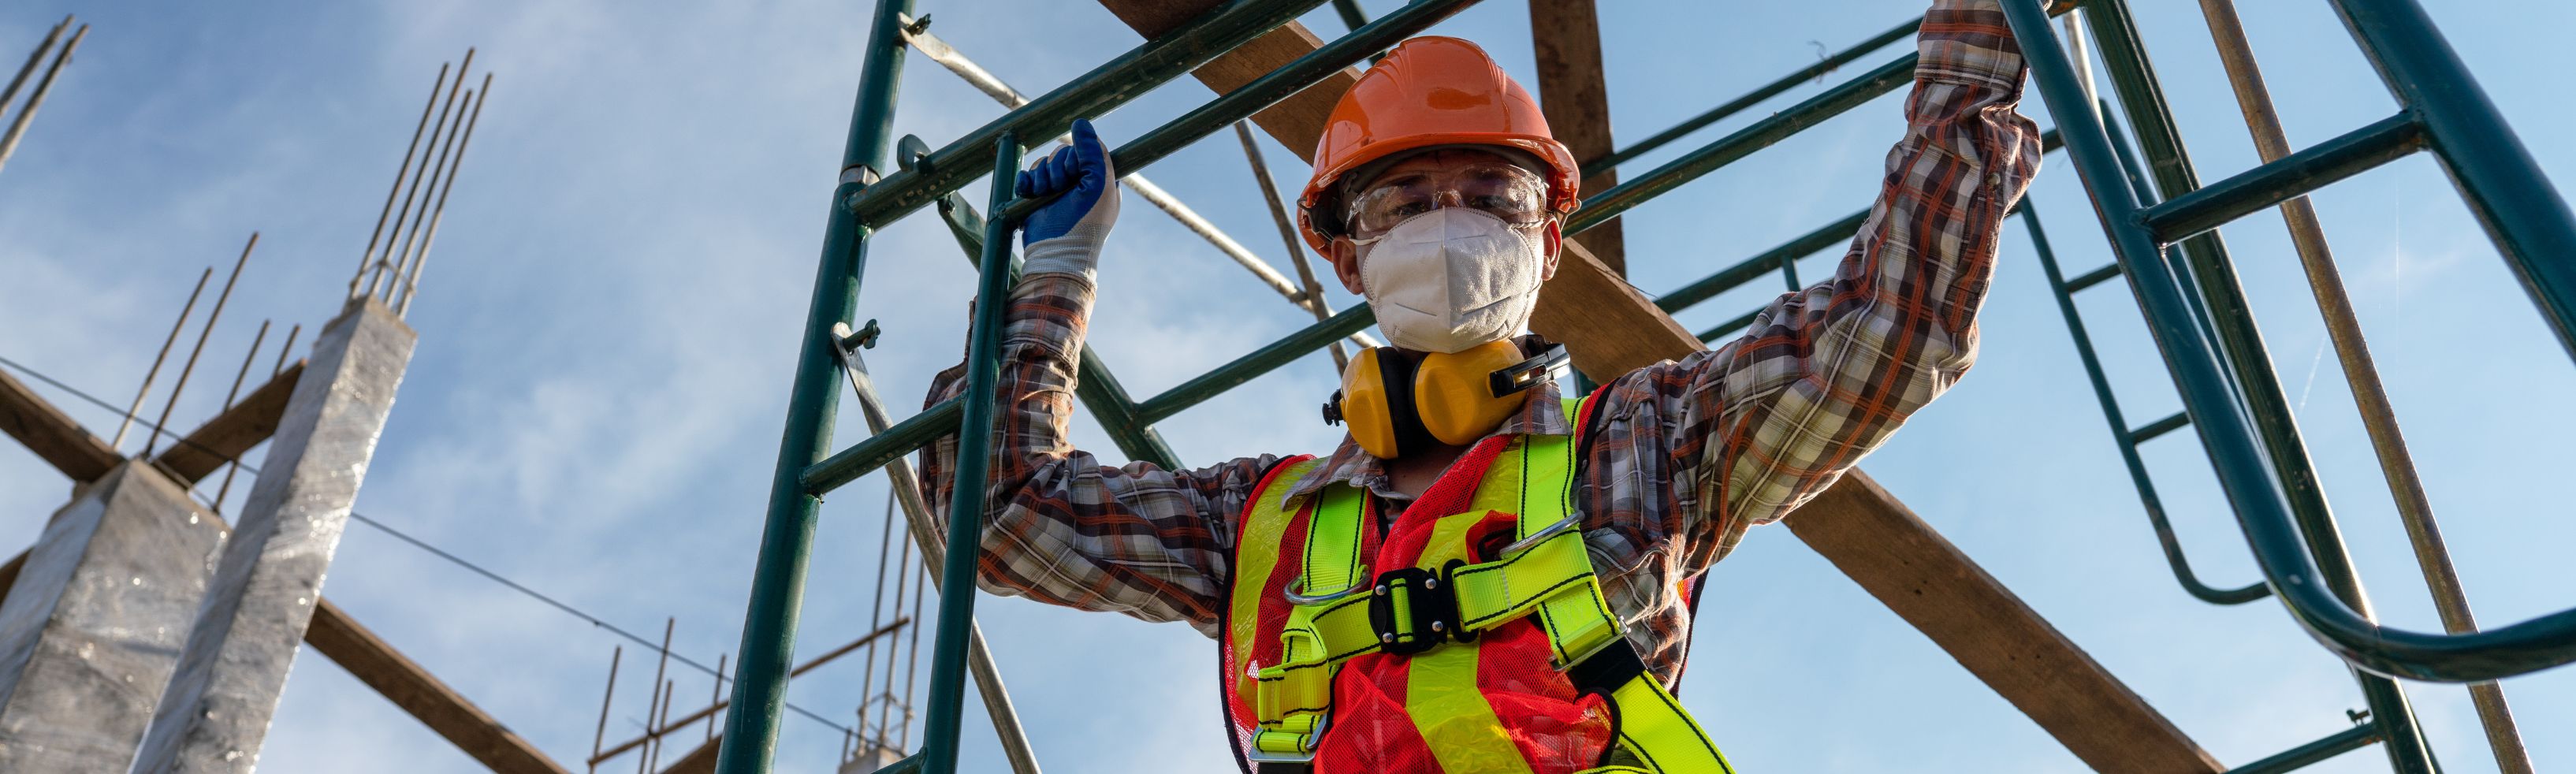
point(1433, 614)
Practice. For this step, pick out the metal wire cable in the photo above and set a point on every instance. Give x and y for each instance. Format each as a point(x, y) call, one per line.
point(423, 545)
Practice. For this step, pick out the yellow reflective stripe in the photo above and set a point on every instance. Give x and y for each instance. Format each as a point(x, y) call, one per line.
point(1440, 692)
point(1653, 726)
point(1461, 730)
point(1301, 684)
point(1263, 527)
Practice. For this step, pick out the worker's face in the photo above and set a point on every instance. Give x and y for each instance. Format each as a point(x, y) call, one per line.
point(1444, 178)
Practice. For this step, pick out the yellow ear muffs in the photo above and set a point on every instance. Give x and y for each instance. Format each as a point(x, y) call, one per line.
point(1364, 402)
point(1454, 395)
point(1396, 404)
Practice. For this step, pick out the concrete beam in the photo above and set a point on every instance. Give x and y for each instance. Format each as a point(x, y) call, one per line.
point(219, 702)
point(400, 680)
point(1575, 96)
point(51, 434)
point(1612, 328)
point(420, 693)
point(228, 435)
point(94, 618)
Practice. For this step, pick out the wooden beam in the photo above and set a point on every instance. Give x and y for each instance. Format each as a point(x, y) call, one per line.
point(1882, 545)
point(229, 434)
point(1607, 325)
point(51, 434)
point(1297, 121)
point(1611, 328)
point(422, 694)
point(698, 761)
point(1575, 96)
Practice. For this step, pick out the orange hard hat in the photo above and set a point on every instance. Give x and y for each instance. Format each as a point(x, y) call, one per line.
point(1430, 91)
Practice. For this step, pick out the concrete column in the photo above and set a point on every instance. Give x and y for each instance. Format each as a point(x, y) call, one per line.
point(233, 667)
point(90, 632)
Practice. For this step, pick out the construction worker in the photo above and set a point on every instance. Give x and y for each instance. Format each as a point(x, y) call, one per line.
point(1486, 576)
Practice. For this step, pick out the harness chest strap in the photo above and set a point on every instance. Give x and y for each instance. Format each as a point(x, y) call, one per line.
point(1546, 571)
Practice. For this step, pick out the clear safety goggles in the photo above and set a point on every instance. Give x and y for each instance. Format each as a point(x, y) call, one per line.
point(1515, 194)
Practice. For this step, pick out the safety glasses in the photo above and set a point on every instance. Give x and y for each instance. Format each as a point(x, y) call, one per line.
point(1516, 195)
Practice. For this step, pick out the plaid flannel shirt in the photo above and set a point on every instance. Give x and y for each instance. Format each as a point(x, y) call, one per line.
point(1688, 454)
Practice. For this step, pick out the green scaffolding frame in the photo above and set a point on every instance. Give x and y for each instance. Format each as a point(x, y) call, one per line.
point(2192, 306)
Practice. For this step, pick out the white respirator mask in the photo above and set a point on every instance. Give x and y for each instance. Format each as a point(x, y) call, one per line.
point(1452, 278)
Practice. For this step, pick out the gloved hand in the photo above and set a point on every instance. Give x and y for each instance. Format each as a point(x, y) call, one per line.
point(1065, 235)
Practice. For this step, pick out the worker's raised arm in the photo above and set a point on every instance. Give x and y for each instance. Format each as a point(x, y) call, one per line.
point(1059, 527)
point(1825, 374)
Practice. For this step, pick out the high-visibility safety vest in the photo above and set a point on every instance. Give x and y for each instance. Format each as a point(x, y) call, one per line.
point(1476, 640)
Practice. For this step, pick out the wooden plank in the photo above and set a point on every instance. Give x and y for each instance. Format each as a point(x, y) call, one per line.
point(1297, 121)
point(1611, 328)
point(1575, 96)
point(1607, 325)
point(438, 706)
point(698, 761)
point(1885, 547)
point(51, 434)
point(229, 434)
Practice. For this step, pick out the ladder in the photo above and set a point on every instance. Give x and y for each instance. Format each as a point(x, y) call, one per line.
point(2248, 432)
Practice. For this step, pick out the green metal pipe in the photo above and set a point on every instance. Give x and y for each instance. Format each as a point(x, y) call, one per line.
point(1705, 288)
point(1274, 86)
point(2120, 434)
point(2244, 472)
point(974, 462)
point(1254, 364)
point(2289, 177)
point(2137, 176)
point(1711, 335)
point(2160, 427)
point(1603, 206)
point(1094, 383)
point(2313, 753)
point(1111, 84)
point(1352, 16)
point(1751, 98)
point(865, 457)
point(2526, 217)
point(2094, 277)
point(2248, 368)
point(787, 530)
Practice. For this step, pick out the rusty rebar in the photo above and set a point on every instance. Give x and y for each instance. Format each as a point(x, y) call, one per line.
point(34, 58)
point(26, 115)
point(437, 130)
point(660, 720)
point(2361, 374)
point(715, 696)
point(146, 390)
point(437, 215)
point(234, 466)
point(152, 439)
point(286, 350)
point(401, 171)
point(398, 257)
point(606, 697)
point(668, 625)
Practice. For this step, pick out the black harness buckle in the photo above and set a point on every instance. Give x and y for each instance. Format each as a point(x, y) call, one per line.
point(1412, 610)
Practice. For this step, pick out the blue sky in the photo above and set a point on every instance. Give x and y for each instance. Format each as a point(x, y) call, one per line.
point(608, 325)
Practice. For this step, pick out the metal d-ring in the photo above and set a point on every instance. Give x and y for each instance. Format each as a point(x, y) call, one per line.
point(1295, 587)
point(1542, 535)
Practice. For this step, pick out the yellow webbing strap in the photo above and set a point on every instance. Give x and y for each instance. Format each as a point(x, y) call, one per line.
point(1291, 697)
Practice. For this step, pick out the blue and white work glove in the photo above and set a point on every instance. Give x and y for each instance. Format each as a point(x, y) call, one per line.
point(1064, 237)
